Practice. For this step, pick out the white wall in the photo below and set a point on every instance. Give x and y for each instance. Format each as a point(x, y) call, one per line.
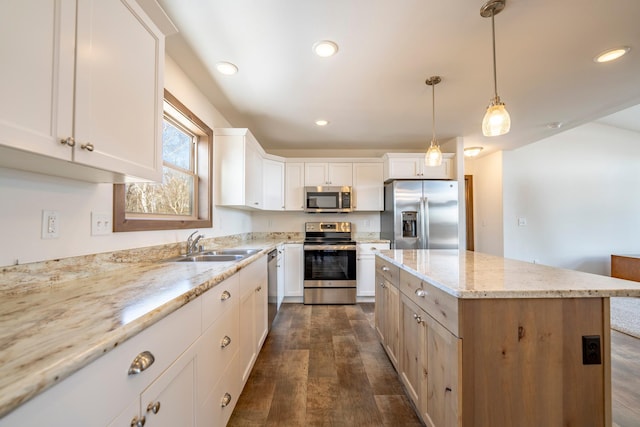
point(580, 194)
point(24, 196)
point(362, 222)
point(487, 202)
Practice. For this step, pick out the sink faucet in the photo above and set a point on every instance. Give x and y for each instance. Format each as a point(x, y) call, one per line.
point(192, 243)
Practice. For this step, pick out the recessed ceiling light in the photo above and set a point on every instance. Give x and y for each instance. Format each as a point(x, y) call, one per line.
point(555, 125)
point(226, 68)
point(472, 151)
point(612, 54)
point(322, 122)
point(325, 48)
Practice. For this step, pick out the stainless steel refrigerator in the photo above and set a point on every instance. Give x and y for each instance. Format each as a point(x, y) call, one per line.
point(420, 214)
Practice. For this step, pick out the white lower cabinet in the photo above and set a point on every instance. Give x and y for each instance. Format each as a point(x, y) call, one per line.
point(366, 267)
point(294, 270)
point(100, 392)
point(218, 383)
point(202, 355)
point(169, 401)
point(253, 314)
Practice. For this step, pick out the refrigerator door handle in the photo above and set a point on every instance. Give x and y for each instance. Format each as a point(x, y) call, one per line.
point(424, 221)
point(425, 216)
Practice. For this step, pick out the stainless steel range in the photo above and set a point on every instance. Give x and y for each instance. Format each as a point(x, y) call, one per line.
point(329, 263)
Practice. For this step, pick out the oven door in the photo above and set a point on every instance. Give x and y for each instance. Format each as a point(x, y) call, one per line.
point(329, 266)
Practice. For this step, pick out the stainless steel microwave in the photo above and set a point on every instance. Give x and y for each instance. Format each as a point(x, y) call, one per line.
point(327, 199)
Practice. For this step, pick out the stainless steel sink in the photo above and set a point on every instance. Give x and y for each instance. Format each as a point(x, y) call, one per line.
point(243, 252)
point(218, 255)
point(209, 258)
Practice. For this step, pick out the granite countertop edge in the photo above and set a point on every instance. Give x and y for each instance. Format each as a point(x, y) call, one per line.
point(32, 382)
point(607, 286)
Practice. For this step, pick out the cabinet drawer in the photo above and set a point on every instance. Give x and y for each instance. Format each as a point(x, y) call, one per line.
point(216, 348)
point(371, 248)
point(227, 390)
point(253, 276)
point(436, 303)
point(388, 271)
point(219, 299)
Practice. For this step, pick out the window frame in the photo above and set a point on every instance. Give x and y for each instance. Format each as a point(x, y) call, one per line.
point(203, 199)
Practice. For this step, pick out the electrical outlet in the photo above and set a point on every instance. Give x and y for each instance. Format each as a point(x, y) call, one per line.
point(100, 223)
point(591, 354)
point(50, 225)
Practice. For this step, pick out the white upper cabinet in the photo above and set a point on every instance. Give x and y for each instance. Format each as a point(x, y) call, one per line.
point(82, 81)
point(239, 168)
point(368, 187)
point(334, 174)
point(273, 185)
point(411, 166)
point(294, 186)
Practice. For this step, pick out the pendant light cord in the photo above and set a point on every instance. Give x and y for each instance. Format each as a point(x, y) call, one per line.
point(493, 36)
point(433, 112)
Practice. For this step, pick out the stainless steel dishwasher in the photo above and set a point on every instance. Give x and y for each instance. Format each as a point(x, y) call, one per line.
point(272, 285)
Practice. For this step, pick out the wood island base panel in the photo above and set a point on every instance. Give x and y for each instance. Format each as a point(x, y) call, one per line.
point(480, 340)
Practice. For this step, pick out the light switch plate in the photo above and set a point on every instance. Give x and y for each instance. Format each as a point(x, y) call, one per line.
point(101, 223)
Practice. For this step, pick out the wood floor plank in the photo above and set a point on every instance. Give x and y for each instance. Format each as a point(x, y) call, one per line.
point(323, 365)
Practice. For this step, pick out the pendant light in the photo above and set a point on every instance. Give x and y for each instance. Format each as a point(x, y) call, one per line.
point(496, 120)
point(433, 157)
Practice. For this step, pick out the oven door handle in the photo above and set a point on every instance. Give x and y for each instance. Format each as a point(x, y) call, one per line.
point(329, 247)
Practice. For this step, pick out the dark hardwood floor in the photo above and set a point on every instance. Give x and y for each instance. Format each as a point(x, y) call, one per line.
point(323, 366)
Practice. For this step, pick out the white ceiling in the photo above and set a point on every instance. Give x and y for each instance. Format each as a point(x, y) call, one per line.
point(373, 91)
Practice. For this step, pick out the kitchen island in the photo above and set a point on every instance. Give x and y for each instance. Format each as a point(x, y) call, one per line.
point(486, 341)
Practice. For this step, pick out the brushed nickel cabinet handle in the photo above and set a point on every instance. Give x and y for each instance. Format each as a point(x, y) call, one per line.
point(421, 293)
point(68, 141)
point(153, 407)
point(141, 362)
point(225, 296)
point(138, 422)
point(225, 341)
point(226, 399)
point(88, 146)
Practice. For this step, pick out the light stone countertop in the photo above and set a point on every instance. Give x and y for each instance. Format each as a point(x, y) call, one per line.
point(50, 330)
point(58, 316)
point(467, 274)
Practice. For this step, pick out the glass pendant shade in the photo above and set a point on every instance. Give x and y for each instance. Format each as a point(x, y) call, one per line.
point(434, 155)
point(496, 120)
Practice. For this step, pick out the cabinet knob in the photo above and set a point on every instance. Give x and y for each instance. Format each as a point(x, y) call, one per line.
point(88, 146)
point(68, 141)
point(138, 422)
point(385, 268)
point(259, 288)
point(382, 285)
point(141, 362)
point(226, 399)
point(418, 318)
point(225, 341)
point(256, 203)
point(421, 293)
point(153, 407)
point(225, 296)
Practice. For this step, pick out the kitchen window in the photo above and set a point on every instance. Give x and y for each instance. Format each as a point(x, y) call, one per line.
point(183, 199)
